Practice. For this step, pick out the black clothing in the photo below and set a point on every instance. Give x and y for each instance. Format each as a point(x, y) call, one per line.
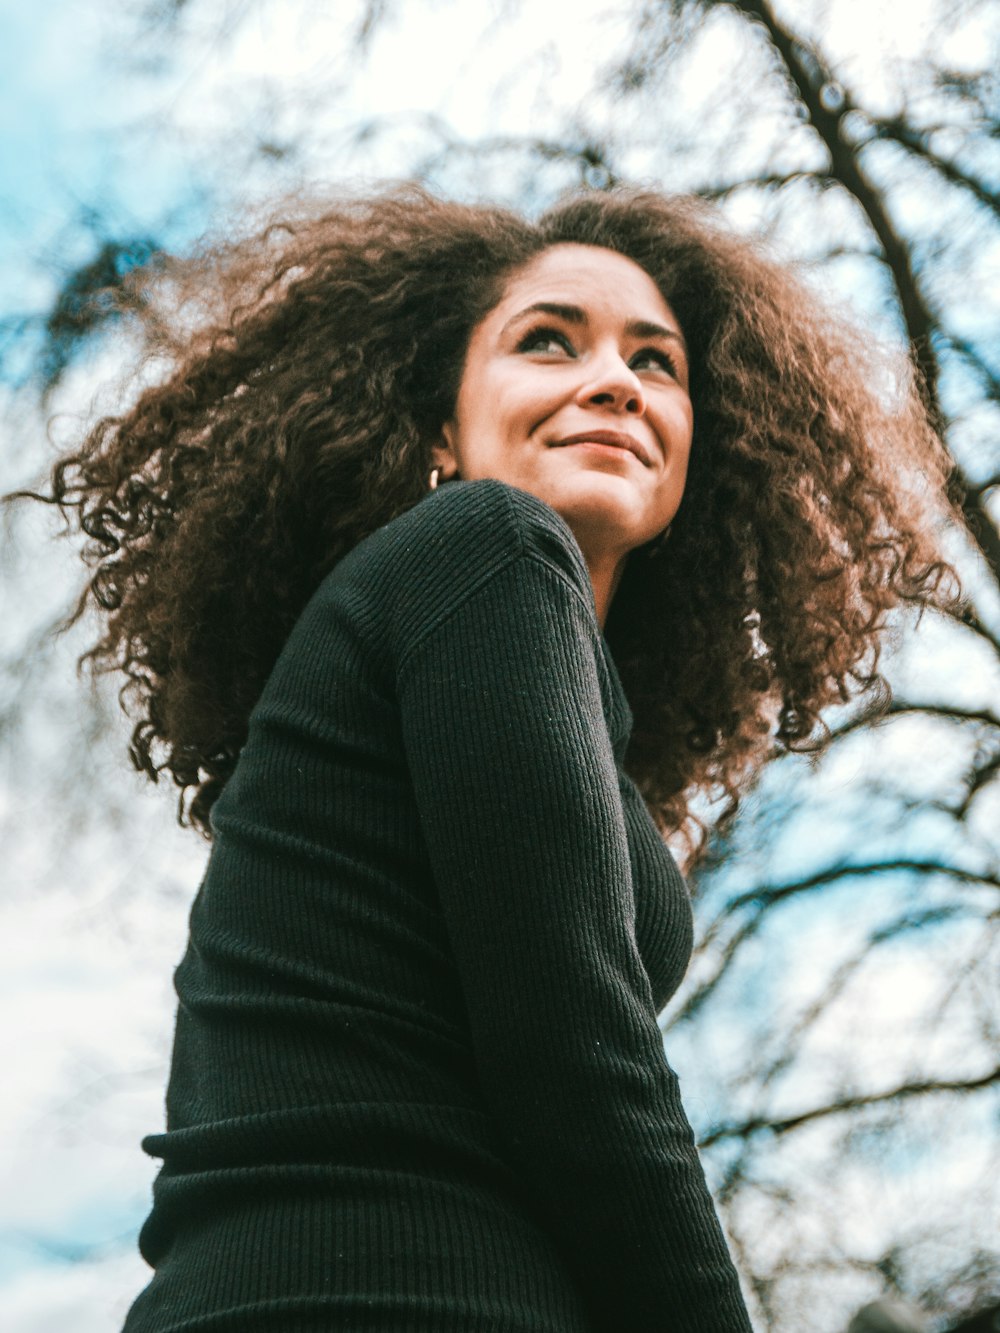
point(418, 1085)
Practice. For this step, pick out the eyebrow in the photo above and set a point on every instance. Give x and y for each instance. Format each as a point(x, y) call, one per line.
point(574, 314)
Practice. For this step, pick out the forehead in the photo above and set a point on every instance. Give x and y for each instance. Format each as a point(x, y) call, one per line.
point(590, 276)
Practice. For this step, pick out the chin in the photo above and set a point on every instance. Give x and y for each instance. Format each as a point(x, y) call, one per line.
point(602, 517)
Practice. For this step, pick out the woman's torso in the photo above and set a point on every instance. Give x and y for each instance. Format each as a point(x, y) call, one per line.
point(330, 1159)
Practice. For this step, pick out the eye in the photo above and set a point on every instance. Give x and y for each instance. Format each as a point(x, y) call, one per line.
point(660, 359)
point(545, 340)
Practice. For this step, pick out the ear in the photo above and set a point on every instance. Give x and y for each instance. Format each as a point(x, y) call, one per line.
point(443, 453)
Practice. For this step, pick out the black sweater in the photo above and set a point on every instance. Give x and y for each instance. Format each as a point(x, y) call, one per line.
point(417, 1084)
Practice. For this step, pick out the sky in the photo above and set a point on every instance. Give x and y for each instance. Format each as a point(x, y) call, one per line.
point(95, 119)
point(92, 124)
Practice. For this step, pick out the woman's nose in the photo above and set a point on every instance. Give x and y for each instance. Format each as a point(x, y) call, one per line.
point(614, 384)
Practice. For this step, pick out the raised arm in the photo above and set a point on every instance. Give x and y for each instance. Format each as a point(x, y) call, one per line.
point(518, 795)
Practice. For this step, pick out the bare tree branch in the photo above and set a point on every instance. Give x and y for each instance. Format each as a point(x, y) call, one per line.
point(776, 181)
point(988, 376)
point(766, 897)
point(889, 932)
point(917, 142)
point(923, 1088)
point(590, 157)
point(979, 777)
point(907, 708)
point(827, 103)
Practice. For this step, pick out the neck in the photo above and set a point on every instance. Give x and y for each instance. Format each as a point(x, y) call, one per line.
point(605, 575)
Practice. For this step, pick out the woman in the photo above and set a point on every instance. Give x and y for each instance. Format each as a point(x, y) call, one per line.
point(455, 557)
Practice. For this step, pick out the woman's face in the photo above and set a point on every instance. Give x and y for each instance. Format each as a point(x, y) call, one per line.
point(575, 389)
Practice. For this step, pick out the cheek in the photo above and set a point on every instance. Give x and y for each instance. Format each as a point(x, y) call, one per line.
point(679, 423)
point(499, 406)
point(676, 429)
point(672, 427)
point(471, 418)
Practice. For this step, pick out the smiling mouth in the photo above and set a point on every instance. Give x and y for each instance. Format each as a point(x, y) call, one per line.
point(610, 438)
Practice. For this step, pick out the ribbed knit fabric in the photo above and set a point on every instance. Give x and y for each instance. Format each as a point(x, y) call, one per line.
point(417, 1084)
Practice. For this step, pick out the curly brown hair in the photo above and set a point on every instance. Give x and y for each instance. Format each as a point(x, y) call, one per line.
point(310, 368)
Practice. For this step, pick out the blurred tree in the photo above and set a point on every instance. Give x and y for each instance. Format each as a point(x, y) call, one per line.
point(84, 303)
point(838, 1034)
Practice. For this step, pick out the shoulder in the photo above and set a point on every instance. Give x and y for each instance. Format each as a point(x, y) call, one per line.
point(454, 543)
point(495, 520)
point(467, 531)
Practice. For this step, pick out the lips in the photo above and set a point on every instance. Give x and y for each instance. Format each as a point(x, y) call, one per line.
point(618, 439)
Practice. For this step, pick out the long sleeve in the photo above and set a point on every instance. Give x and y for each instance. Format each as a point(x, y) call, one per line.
point(518, 796)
